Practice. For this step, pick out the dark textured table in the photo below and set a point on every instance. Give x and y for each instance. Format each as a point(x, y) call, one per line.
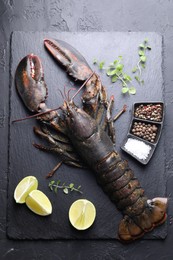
point(85, 16)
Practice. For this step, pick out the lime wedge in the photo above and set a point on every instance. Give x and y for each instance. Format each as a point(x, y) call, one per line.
point(39, 203)
point(25, 186)
point(82, 214)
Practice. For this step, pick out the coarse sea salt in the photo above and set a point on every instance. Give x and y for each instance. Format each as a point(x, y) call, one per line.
point(137, 148)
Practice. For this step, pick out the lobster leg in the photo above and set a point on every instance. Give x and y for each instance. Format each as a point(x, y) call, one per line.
point(62, 141)
point(102, 105)
point(93, 95)
point(57, 137)
point(51, 140)
point(111, 128)
point(61, 148)
point(67, 158)
point(66, 151)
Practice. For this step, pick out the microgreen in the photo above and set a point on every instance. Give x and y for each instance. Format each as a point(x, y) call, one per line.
point(55, 185)
point(115, 70)
point(141, 64)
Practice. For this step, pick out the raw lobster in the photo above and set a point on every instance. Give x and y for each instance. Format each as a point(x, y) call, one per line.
point(82, 137)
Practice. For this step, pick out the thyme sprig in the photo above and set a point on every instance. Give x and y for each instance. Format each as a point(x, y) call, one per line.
point(55, 185)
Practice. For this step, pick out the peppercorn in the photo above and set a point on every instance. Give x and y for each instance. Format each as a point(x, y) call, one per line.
point(145, 131)
point(151, 112)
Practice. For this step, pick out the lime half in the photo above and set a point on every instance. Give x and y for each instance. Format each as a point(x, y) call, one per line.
point(24, 187)
point(39, 203)
point(82, 214)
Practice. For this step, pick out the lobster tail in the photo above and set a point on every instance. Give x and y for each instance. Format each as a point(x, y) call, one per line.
point(134, 227)
point(141, 215)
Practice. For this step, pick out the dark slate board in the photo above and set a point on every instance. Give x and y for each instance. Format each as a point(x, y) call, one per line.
point(25, 160)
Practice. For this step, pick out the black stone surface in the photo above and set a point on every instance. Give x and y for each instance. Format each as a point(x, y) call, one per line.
point(85, 16)
point(25, 160)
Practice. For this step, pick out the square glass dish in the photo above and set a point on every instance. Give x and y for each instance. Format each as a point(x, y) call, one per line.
point(144, 130)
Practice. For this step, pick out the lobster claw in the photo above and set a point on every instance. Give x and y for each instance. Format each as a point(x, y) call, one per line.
point(69, 57)
point(30, 83)
point(78, 68)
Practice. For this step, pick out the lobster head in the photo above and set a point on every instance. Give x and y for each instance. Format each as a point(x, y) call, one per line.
point(80, 124)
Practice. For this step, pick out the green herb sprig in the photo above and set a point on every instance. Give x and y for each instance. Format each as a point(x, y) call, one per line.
point(55, 185)
point(141, 64)
point(115, 69)
point(116, 72)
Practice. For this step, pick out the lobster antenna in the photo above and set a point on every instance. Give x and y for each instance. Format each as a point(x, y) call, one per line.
point(65, 94)
point(38, 114)
point(48, 111)
point(61, 93)
point(82, 85)
point(68, 93)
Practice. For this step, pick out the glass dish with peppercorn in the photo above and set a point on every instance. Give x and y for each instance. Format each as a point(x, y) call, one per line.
point(144, 131)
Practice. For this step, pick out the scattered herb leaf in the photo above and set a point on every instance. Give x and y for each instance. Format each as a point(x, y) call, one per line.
point(95, 61)
point(141, 53)
point(132, 90)
point(134, 69)
point(114, 78)
point(141, 46)
point(71, 185)
point(143, 58)
point(65, 190)
point(125, 90)
point(137, 78)
point(101, 64)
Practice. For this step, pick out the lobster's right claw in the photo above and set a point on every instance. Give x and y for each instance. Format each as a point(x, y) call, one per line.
point(79, 69)
point(69, 57)
point(29, 79)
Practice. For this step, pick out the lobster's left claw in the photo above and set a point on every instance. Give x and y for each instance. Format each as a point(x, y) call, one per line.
point(69, 57)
